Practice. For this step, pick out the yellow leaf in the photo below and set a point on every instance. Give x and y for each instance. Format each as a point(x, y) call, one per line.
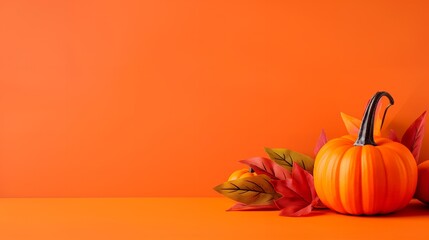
point(251, 190)
point(286, 158)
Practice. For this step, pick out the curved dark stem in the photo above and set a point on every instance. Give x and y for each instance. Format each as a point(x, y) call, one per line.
point(366, 131)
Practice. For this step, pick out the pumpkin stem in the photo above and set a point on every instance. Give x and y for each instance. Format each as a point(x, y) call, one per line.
point(366, 131)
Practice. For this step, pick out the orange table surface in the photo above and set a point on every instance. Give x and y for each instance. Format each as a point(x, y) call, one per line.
point(191, 218)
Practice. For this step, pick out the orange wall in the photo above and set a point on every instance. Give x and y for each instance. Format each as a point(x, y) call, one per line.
point(161, 98)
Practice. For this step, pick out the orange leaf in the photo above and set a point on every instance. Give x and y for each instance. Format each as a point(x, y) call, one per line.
point(352, 124)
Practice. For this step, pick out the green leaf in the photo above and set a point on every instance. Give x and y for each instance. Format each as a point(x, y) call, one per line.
point(286, 158)
point(251, 190)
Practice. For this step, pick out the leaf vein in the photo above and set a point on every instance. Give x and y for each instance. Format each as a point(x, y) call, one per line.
point(263, 190)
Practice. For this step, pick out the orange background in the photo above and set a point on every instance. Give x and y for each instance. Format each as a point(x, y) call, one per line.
point(161, 98)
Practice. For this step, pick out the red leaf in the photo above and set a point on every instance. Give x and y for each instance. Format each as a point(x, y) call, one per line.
point(413, 137)
point(393, 136)
point(245, 207)
point(298, 193)
point(318, 204)
point(289, 196)
point(320, 142)
point(294, 211)
point(265, 166)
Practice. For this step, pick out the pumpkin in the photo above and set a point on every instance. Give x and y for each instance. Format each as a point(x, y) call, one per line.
point(363, 175)
point(242, 173)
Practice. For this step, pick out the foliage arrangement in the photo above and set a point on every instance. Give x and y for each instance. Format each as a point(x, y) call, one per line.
point(284, 180)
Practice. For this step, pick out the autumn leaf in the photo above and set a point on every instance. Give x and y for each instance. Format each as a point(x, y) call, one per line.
point(413, 136)
point(298, 194)
point(245, 207)
point(296, 210)
point(320, 142)
point(286, 158)
point(352, 124)
point(393, 136)
point(265, 166)
point(251, 190)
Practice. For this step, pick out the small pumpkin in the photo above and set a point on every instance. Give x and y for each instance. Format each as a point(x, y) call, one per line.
point(242, 173)
point(365, 176)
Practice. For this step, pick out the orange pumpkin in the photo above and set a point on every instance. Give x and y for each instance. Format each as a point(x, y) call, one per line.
point(242, 173)
point(365, 175)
